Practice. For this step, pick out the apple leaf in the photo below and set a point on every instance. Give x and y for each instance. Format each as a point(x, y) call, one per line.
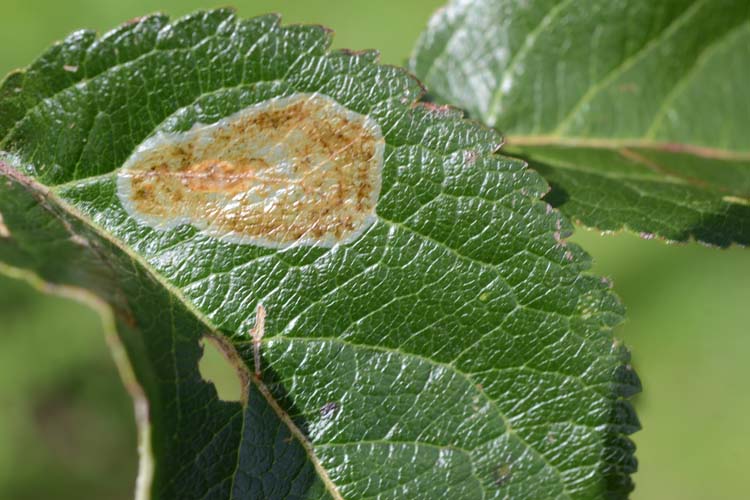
point(636, 113)
point(403, 310)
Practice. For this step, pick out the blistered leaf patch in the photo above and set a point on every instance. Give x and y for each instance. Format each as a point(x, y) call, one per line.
point(301, 169)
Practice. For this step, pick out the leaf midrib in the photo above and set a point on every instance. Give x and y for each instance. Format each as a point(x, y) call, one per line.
point(628, 179)
point(667, 178)
point(49, 195)
point(450, 366)
point(628, 143)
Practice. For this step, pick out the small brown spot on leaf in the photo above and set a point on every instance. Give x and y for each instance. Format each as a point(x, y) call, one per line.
point(127, 317)
point(298, 170)
point(135, 20)
point(437, 109)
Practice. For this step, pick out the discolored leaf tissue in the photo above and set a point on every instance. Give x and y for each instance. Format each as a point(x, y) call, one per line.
point(428, 331)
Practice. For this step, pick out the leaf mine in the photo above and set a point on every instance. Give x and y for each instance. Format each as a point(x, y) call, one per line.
point(432, 358)
point(296, 170)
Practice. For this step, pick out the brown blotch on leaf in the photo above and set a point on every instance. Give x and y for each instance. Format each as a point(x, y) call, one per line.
point(299, 170)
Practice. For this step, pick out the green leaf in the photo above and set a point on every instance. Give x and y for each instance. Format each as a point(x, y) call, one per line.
point(449, 343)
point(635, 112)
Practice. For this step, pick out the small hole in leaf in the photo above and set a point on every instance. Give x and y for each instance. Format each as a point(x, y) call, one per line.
point(217, 369)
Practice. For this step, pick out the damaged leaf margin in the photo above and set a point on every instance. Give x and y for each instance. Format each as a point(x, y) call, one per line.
point(457, 347)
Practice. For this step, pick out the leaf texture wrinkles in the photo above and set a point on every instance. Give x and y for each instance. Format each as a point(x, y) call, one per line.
point(457, 348)
point(635, 112)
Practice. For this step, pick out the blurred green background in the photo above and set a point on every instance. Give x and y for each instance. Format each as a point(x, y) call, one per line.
point(66, 425)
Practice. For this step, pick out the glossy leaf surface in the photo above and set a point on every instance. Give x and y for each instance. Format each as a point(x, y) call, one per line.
point(456, 347)
point(636, 112)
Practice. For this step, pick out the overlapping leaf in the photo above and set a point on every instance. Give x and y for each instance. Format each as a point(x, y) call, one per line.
point(636, 112)
point(455, 349)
